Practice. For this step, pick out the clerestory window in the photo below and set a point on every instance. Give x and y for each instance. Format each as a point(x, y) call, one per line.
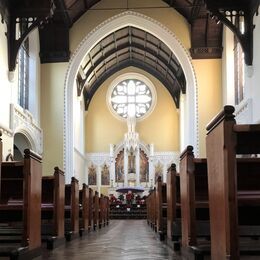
point(23, 73)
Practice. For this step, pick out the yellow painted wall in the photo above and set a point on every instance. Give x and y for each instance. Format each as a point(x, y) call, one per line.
point(53, 77)
point(104, 190)
point(52, 99)
point(209, 95)
point(161, 128)
point(167, 16)
point(103, 123)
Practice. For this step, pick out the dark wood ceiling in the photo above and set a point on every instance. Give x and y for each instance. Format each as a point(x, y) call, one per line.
point(126, 47)
point(54, 18)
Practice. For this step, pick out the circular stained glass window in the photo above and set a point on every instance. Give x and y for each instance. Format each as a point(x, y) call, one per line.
point(131, 98)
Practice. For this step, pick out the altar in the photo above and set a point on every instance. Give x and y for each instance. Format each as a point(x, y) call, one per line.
point(131, 162)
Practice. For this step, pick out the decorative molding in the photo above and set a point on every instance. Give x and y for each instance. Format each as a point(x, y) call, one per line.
point(98, 158)
point(167, 157)
point(79, 153)
point(22, 121)
point(206, 52)
point(232, 17)
point(130, 18)
point(6, 130)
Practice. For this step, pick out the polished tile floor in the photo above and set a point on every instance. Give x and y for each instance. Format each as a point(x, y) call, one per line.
point(121, 240)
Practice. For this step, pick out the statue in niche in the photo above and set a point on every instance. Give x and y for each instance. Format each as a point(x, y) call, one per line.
point(131, 162)
point(144, 166)
point(120, 167)
point(105, 175)
point(158, 171)
point(92, 175)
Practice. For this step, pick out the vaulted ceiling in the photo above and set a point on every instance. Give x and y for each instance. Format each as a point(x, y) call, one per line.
point(128, 46)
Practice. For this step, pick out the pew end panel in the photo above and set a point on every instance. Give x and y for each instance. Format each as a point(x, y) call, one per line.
point(32, 198)
point(53, 189)
point(84, 208)
point(71, 209)
point(173, 208)
point(21, 207)
point(233, 188)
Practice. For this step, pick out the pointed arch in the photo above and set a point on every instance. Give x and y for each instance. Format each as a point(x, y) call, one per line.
point(189, 121)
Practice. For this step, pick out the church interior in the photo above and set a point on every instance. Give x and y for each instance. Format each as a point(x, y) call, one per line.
point(116, 114)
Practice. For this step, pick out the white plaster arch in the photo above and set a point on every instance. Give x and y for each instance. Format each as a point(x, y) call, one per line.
point(28, 135)
point(119, 147)
point(130, 18)
point(144, 147)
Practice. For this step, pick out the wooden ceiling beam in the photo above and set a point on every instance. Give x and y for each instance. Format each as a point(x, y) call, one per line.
point(14, 14)
point(65, 14)
point(173, 90)
point(86, 3)
point(228, 11)
point(127, 46)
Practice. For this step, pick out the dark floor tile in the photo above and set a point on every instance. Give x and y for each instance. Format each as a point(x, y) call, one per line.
point(121, 240)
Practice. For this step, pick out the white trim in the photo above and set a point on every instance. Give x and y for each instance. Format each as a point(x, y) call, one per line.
point(28, 135)
point(22, 121)
point(79, 153)
point(6, 130)
point(131, 75)
point(130, 18)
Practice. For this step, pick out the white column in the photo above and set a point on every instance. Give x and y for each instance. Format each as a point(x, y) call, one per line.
point(151, 166)
point(182, 122)
point(112, 166)
point(86, 167)
point(125, 167)
point(151, 172)
point(112, 172)
point(164, 171)
point(137, 166)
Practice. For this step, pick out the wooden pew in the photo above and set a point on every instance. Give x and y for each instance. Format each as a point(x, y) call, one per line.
point(148, 207)
point(72, 209)
point(161, 208)
point(107, 209)
point(150, 204)
point(91, 210)
point(194, 202)
point(20, 208)
point(53, 189)
point(173, 208)
point(153, 208)
point(96, 210)
point(233, 188)
point(101, 211)
point(1, 155)
point(84, 212)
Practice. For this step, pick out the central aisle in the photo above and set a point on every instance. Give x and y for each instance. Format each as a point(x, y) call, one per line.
point(121, 240)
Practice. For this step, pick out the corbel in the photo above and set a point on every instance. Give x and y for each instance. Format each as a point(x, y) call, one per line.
point(16, 38)
point(234, 14)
